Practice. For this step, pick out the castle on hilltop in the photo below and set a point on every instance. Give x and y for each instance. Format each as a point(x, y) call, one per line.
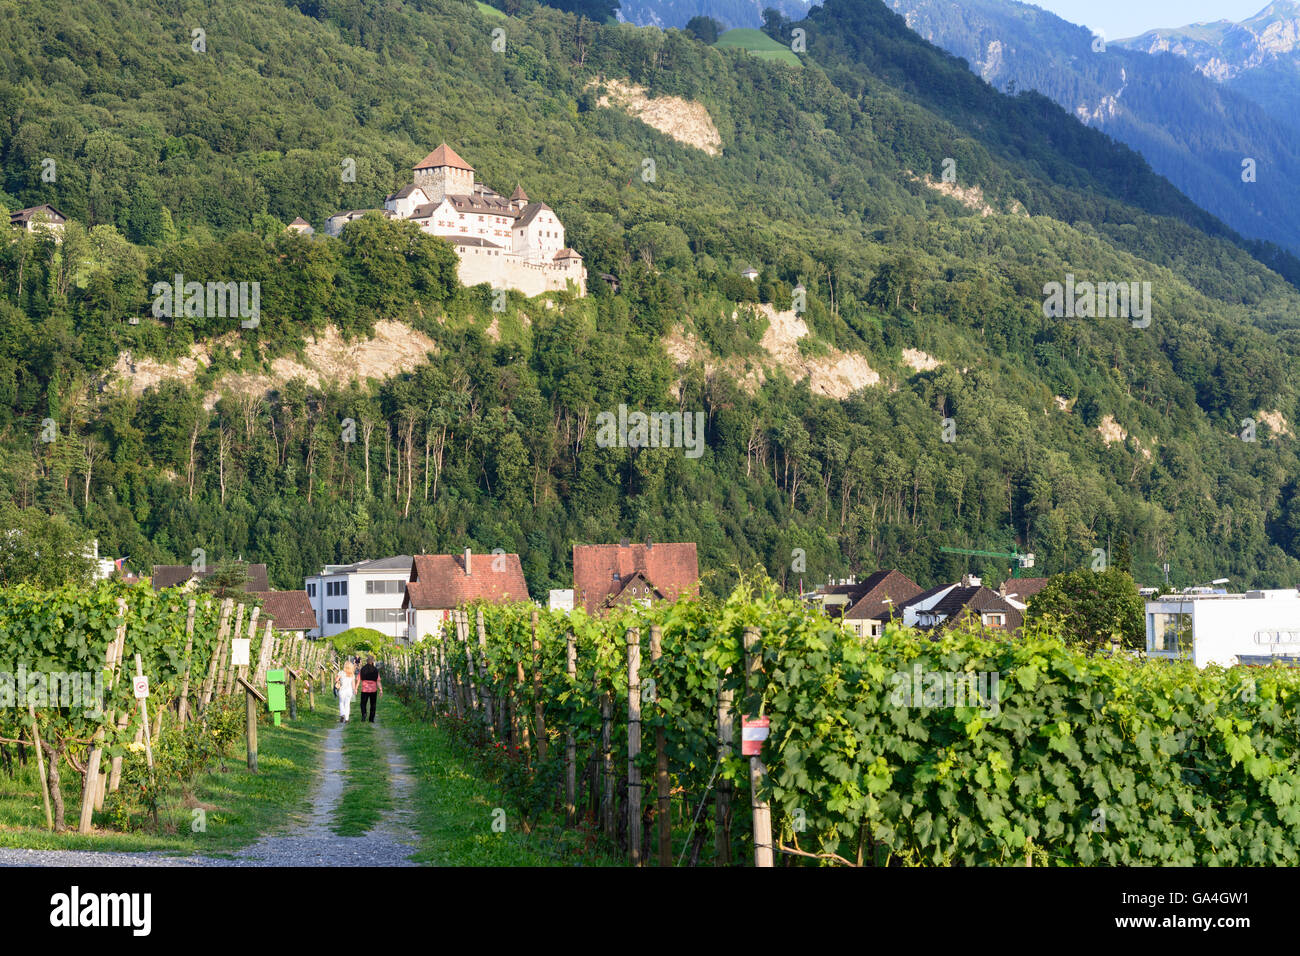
point(508, 243)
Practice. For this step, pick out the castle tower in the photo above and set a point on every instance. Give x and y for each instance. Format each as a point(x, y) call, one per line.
point(519, 198)
point(443, 173)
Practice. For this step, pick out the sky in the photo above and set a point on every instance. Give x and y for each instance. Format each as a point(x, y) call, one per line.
point(1125, 18)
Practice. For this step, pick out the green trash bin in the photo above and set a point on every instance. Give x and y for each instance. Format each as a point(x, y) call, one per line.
point(275, 697)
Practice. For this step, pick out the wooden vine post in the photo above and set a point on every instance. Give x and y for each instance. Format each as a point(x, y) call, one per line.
point(539, 706)
point(40, 766)
point(520, 723)
point(252, 636)
point(90, 787)
point(761, 810)
point(722, 802)
point(228, 662)
point(252, 698)
point(311, 685)
point(291, 691)
point(462, 635)
point(633, 636)
point(607, 762)
point(264, 656)
point(484, 683)
point(144, 727)
point(570, 743)
point(662, 790)
point(209, 683)
point(183, 705)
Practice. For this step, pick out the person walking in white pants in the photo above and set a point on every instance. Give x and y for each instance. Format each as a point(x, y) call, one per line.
point(346, 682)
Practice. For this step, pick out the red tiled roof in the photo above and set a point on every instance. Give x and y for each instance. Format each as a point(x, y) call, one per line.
point(290, 610)
point(1022, 589)
point(600, 570)
point(444, 155)
point(439, 580)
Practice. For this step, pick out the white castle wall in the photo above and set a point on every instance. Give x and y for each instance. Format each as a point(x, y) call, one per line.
point(501, 270)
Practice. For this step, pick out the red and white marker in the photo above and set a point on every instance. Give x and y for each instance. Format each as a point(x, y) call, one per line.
point(752, 734)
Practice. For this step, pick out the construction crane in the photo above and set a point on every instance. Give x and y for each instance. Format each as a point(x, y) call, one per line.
point(1022, 561)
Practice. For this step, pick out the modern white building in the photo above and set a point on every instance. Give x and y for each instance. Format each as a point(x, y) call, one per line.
point(365, 594)
point(1258, 627)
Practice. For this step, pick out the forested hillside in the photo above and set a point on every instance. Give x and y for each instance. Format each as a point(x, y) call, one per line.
point(1067, 433)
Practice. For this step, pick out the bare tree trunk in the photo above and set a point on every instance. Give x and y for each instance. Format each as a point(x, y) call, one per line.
point(410, 463)
point(194, 440)
point(366, 428)
point(93, 454)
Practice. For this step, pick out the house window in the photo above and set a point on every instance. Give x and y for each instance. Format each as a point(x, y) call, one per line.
point(311, 589)
point(995, 620)
point(336, 588)
point(384, 615)
point(385, 587)
point(336, 615)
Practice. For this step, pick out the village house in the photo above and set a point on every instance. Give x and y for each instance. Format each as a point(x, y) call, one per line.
point(510, 243)
point(290, 612)
point(441, 583)
point(185, 577)
point(878, 600)
point(944, 606)
point(38, 218)
point(606, 575)
point(364, 594)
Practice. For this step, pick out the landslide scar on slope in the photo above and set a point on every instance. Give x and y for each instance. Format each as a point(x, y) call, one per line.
point(684, 120)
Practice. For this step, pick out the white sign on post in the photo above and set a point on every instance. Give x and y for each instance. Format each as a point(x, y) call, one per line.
point(141, 685)
point(239, 652)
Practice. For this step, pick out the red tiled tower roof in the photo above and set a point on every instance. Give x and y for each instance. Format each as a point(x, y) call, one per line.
point(444, 155)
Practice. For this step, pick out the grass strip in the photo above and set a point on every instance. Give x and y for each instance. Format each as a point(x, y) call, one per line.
point(462, 819)
point(238, 807)
point(366, 791)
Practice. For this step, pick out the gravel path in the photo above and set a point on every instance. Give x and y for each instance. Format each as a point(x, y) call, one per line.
point(309, 841)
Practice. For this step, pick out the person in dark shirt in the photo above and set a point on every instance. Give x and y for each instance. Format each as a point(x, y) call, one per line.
point(371, 687)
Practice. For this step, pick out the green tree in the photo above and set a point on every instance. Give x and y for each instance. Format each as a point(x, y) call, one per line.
point(228, 579)
point(705, 29)
point(1092, 607)
point(42, 549)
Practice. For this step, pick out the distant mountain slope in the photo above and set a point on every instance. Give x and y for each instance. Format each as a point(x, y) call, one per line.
point(730, 13)
point(1191, 129)
point(1258, 57)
